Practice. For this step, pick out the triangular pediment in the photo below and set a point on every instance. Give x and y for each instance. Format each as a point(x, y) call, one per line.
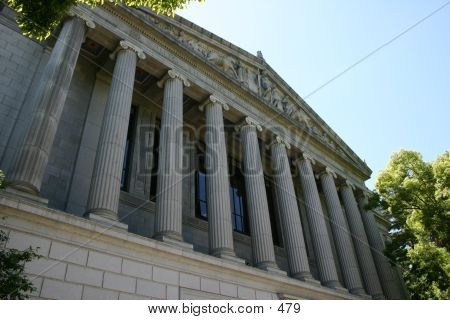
point(255, 76)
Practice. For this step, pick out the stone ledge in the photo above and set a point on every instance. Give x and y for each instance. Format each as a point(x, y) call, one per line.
point(119, 242)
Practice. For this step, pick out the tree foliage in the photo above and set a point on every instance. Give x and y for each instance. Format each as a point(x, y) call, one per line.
point(13, 283)
point(38, 18)
point(415, 196)
point(2, 180)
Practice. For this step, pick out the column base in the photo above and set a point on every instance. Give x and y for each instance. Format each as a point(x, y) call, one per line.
point(24, 187)
point(174, 242)
point(271, 267)
point(336, 285)
point(359, 292)
point(26, 195)
point(306, 277)
point(105, 221)
point(364, 296)
point(379, 297)
point(275, 270)
point(341, 290)
point(229, 257)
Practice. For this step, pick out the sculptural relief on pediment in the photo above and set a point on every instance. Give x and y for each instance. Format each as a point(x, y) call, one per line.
point(257, 80)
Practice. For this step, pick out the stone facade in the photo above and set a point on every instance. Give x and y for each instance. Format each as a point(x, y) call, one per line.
point(151, 159)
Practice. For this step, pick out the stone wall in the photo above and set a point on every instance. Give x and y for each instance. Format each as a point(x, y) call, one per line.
point(84, 260)
point(19, 61)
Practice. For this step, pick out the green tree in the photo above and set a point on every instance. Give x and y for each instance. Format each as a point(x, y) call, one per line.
point(38, 18)
point(13, 283)
point(2, 180)
point(415, 196)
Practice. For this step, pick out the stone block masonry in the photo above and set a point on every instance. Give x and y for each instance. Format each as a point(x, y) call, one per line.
point(80, 259)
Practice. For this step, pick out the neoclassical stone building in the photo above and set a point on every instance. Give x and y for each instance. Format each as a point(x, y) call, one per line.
point(150, 158)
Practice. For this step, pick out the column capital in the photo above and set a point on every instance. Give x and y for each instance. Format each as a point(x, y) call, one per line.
point(173, 74)
point(126, 45)
point(327, 170)
point(88, 20)
point(248, 122)
point(280, 140)
point(212, 99)
point(347, 183)
point(305, 156)
point(363, 192)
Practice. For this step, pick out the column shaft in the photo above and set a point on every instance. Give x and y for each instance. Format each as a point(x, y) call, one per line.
point(217, 184)
point(168, 218)
point(258, 209)
point(289, 214)
point(342, 237)
point(105, 186)
point(360, 242)
point(385, 272)
point(316, 219)
point(48, 103)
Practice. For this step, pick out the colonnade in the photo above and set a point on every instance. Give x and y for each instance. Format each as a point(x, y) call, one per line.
point(354, 230)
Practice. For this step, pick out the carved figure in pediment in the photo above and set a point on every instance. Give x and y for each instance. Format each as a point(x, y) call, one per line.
point(289, 107)
point(227, 63)
point(165, 26)
point(191, 42)
point(247, 77)
point(301, 117)
point(252, 80)
point(183, 37)
point(197, 47)
point(266, 86)
point(243, 73)
point(329, 141)
point(316, 130)
point(277, 100)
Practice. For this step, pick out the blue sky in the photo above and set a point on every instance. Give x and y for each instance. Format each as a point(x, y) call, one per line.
point(397, 98)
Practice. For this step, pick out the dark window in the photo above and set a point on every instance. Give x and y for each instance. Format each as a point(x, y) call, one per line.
point(319, 186)
point(124, 181)
point(237, 198)
point(155, 160)
point(272, 211)
point(200, 189)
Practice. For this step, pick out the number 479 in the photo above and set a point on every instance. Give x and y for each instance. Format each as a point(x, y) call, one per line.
point(289, 306)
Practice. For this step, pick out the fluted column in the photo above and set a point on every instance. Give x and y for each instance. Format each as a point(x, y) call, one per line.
point(217, 184)
point(104, 194)
point(258, 209)
point(341, 235)
point(360, 242)
point(168, 219)
point(48, 103)
point(385, 272)
point(289, 214)
point(316, 219)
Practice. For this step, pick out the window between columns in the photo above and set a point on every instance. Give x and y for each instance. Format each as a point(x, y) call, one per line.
point(237, 193)
point(131, 135)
